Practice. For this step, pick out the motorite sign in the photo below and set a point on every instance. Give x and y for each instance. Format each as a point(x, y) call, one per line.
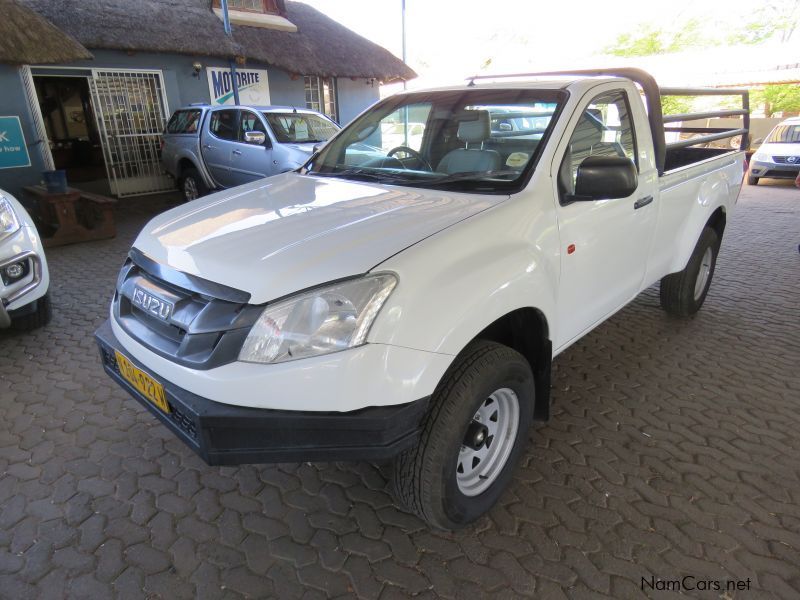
point(253, 86)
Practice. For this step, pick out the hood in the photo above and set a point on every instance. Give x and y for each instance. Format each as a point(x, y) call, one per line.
point(305, 148)
point(290, 232)
point(779, 149)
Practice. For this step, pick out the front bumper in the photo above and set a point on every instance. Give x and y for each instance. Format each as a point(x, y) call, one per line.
point(15, 294)
point(224, 434)
point(774, 170)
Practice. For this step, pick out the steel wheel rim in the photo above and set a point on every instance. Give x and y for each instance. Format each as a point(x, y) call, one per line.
point(703, 274)
point(189, 189)
point(477, 469)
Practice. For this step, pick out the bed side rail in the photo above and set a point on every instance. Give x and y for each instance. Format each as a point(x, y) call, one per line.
point(709, 134)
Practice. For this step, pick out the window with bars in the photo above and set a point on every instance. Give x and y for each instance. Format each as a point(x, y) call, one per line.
point(321, 95)
point(259, 6)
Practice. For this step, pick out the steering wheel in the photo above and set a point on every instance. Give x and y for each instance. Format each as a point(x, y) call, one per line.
point(411, 152)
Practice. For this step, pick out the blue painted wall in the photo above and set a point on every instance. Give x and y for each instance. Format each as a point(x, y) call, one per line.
point(182, 88)
point(354, 97)
point(14, 103)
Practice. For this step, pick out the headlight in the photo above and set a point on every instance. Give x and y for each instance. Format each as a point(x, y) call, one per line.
point(760, 156)
point(324, 320)
point(8, 218)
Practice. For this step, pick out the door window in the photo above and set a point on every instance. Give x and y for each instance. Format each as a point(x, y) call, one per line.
point(223, 124)
point(249, 121)
point(605, 128)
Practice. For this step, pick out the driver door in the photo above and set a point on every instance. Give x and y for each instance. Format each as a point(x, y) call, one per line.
point(604, 243)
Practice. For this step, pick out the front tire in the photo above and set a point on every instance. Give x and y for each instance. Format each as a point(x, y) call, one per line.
point(191, 185)
point(752, 180)
point(472, 437)
point(683, 293)
point(38, 318)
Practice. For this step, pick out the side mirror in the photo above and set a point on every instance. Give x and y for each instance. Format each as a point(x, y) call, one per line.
point(257, 138)
point(605, 178)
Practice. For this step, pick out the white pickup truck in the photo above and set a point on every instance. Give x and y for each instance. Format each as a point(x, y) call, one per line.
point(406, 303)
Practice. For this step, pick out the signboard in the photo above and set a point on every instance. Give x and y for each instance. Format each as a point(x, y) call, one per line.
point(253, 86)
point(13, 150)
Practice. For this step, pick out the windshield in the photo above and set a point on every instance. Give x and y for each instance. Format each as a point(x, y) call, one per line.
point(300, 128)
point(471, 140)
point(785, 134)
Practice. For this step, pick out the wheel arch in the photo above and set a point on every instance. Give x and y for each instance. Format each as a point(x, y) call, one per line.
point(526, 330)
point(717, 221)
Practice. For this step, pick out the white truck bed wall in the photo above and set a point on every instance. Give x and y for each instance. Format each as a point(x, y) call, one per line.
point(688, 196)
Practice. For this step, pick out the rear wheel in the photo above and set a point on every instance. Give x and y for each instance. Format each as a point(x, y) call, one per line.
point(752, 180)
point(683, 293)
point(472, 438)
point(192, 185)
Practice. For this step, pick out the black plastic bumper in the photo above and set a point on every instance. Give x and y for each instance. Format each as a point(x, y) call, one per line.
point(223, 434)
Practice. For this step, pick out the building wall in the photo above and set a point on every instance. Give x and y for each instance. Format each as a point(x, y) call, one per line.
point(354, 97)
point(14, 103)
point(182, 87)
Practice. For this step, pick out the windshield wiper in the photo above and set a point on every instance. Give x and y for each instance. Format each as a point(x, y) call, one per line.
point(485, 177)
point(363, 173)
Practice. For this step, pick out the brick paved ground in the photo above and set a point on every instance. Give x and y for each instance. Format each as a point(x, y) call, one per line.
point(672, 450)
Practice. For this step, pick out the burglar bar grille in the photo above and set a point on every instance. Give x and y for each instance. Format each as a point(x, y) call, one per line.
point(131, 110)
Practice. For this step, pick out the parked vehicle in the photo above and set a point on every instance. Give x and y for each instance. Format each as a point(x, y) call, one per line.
point(24, 278)
point(409, 307)
point(207, 148)
point(779, 156)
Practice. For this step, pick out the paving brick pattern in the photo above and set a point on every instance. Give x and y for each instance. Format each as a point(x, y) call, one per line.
point(673, 449)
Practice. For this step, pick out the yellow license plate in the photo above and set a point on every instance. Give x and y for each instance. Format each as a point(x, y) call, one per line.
point(147, 386)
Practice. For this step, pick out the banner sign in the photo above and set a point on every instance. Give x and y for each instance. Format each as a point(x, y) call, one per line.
point(253, 86)
point(13, 150)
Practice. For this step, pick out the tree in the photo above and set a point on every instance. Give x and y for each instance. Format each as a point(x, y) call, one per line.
point(653, 40)
point(779, 19)
point(781, 97)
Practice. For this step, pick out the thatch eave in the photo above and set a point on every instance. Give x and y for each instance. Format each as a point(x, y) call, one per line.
point(28, 38)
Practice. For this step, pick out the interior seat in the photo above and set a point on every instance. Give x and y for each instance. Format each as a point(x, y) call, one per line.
point(469, 160)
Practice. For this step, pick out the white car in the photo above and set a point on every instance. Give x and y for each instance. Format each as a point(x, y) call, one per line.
point(779, 156)
point(24, 278)
point(409, 308)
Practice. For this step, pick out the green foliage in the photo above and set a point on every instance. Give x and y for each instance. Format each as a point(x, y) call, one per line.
point(675, 105)
point(783, 97)
point(778, 19)
point(652, 40)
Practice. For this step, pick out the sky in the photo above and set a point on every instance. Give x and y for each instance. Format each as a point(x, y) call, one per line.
point(447, 40)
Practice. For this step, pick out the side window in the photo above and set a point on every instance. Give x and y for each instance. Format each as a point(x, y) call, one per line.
point(223, 124)
point(184, 121)
point(605, 128)
point(249, 121)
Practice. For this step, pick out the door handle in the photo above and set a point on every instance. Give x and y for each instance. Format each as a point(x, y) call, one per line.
point(237, 152)
point(208, 147)
point(642, 202)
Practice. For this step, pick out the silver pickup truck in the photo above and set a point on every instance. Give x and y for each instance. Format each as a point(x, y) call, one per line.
point(206, 148)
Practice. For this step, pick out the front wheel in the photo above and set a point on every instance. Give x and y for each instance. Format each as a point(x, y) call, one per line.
point(683, 293)
point(35, 316)
point(473, 435)
point(752, 180)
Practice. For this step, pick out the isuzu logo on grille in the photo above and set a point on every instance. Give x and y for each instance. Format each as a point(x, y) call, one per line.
point(151, 304)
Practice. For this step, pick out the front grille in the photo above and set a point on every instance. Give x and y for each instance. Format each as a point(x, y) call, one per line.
point(784, 160)
point(776, 174)
point(200, 332)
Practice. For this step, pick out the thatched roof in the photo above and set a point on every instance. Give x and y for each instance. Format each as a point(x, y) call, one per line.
point(27, 38)
point(321, 46)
